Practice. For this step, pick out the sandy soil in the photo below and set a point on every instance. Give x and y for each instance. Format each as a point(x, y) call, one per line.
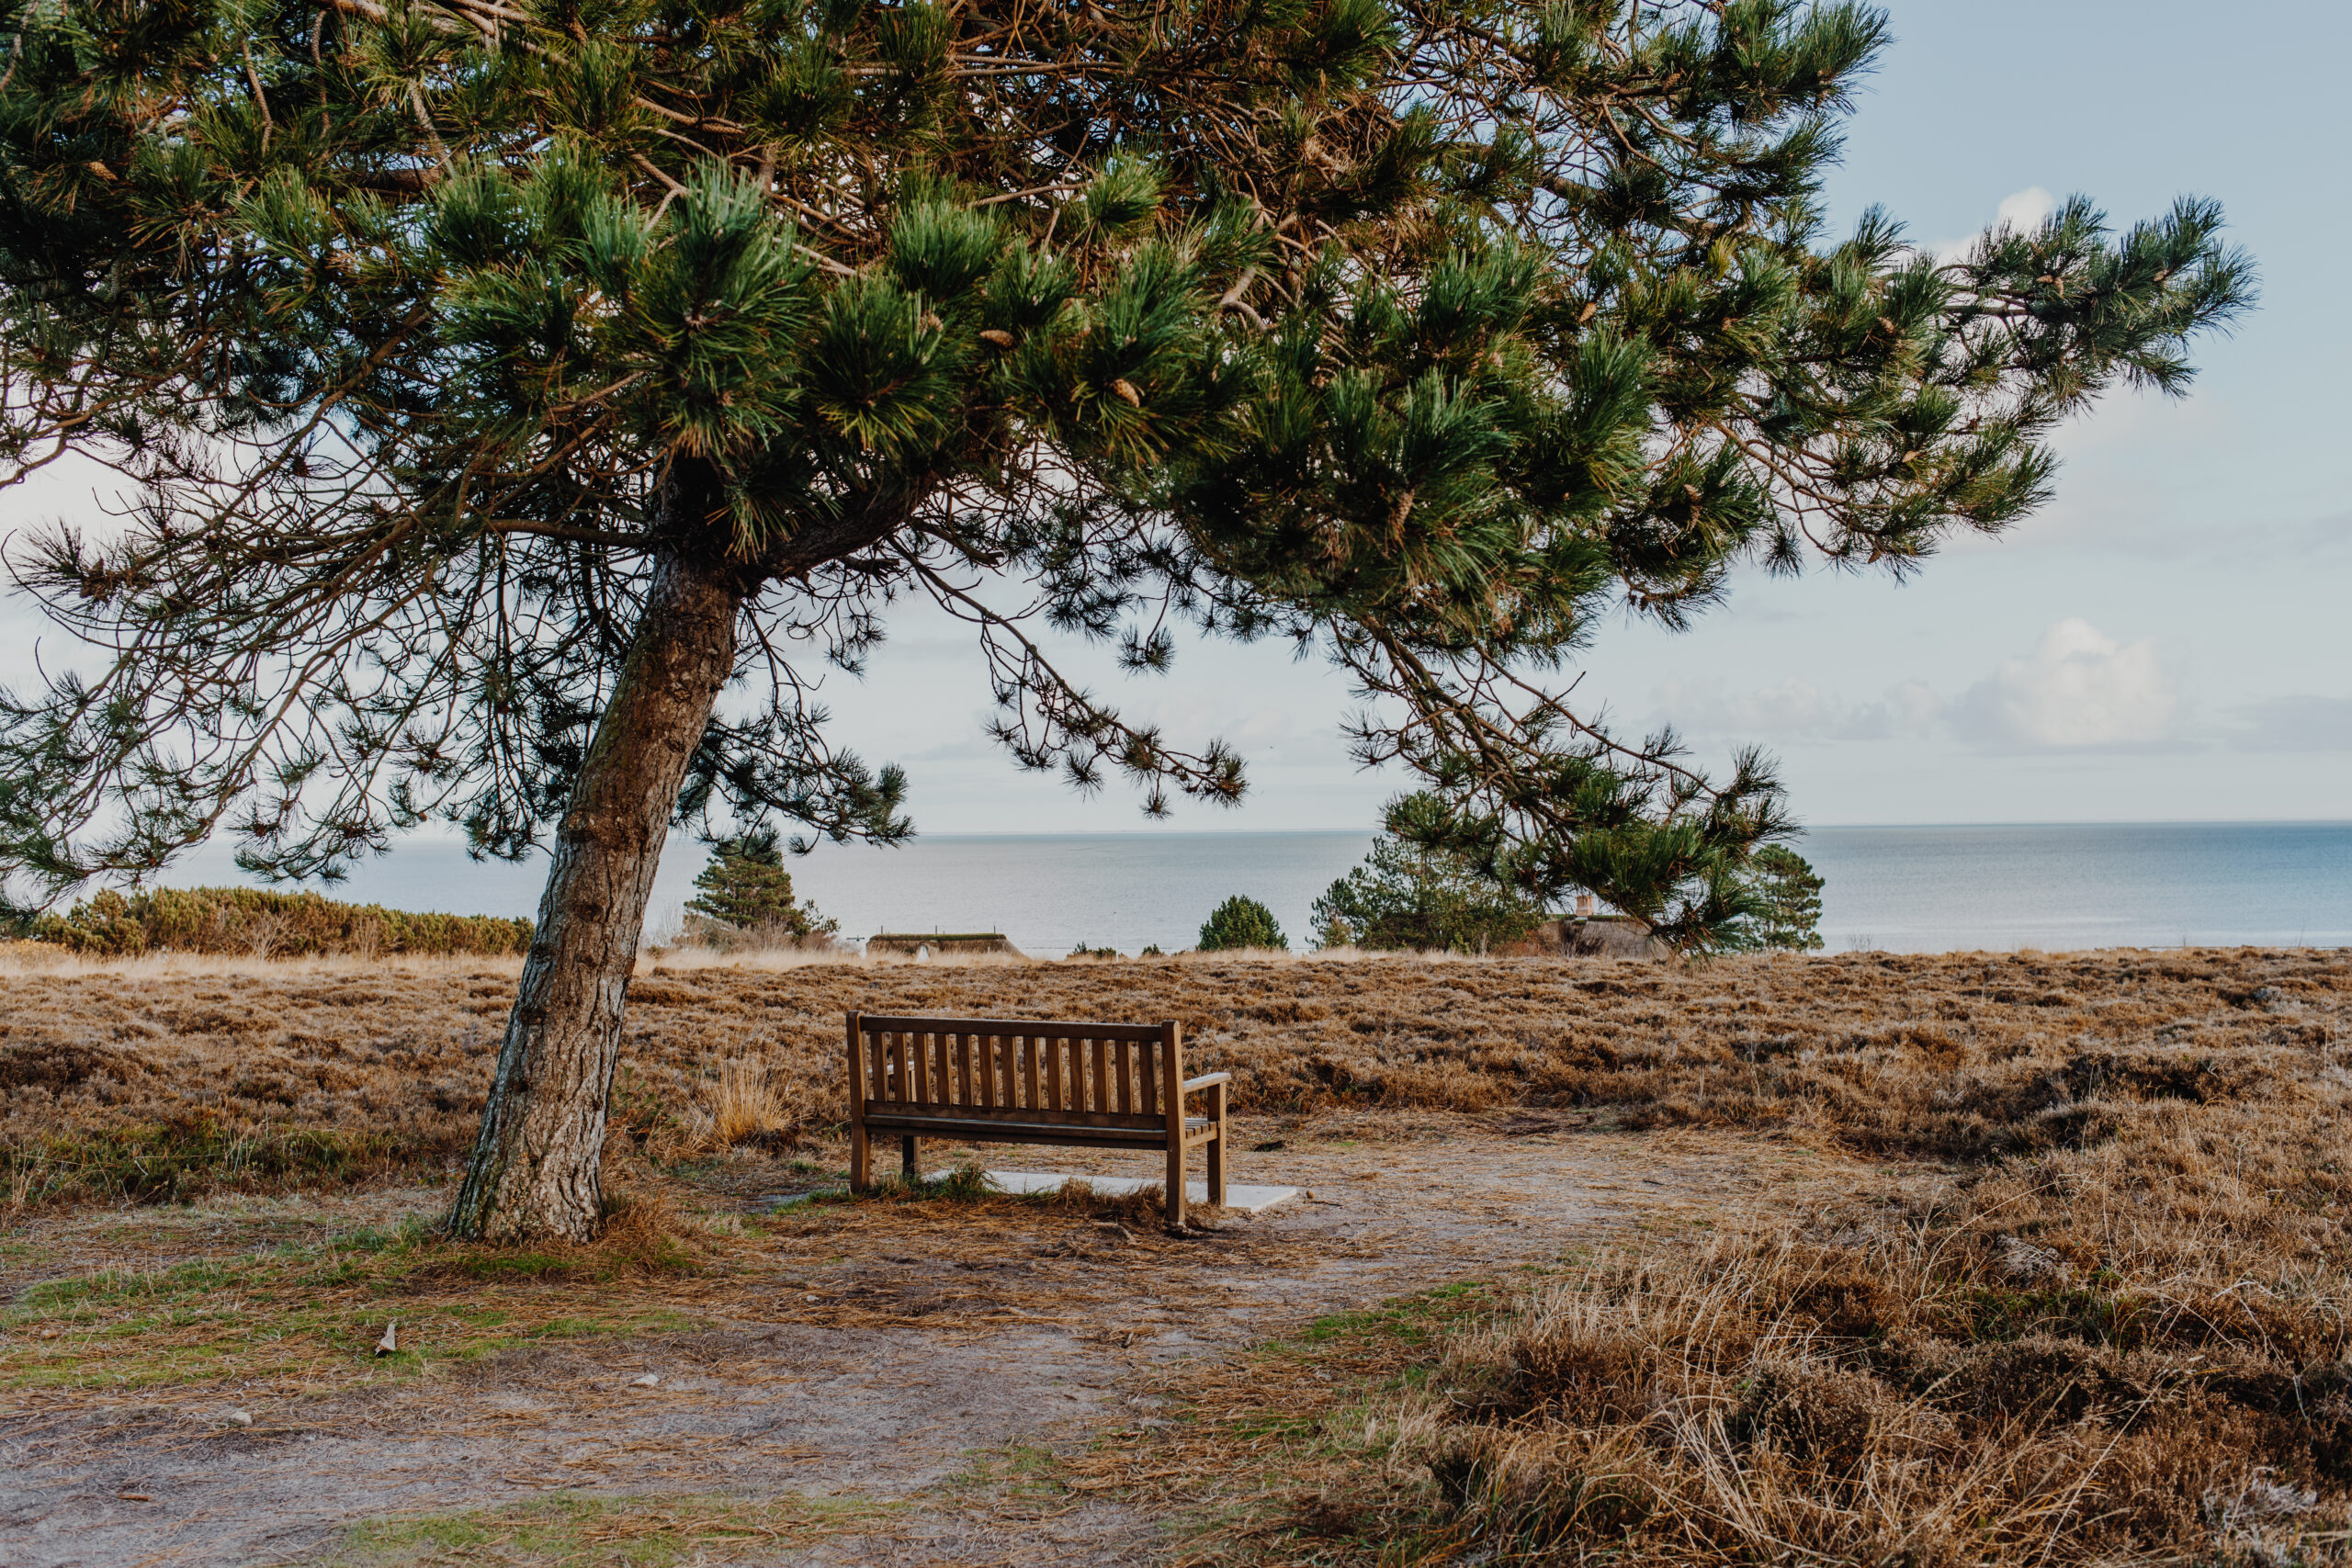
point(896, 1369)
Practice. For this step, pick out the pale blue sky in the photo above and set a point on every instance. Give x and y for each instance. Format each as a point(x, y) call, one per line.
point(2167, 642)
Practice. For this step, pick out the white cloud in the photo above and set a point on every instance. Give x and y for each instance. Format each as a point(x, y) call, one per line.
point(2020, 209)
point(2079, 687)
point(2025, 209)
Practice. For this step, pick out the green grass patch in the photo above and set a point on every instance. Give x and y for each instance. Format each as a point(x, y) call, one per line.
point(292, 1310)
point(1411, 1320)
point(963, 1184)
point(592, 1532)
point(1260, 1461)
point(179, 1158)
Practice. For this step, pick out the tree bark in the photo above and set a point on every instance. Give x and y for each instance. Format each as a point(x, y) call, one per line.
point(536, 1163)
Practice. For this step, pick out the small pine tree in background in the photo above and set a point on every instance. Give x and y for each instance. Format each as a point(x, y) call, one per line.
point(745, 888)
point(1241, 923)
point(1786, 893)
point(1403, 896)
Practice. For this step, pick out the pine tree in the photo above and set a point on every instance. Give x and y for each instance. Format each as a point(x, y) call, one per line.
point(1240, 922)
point(496, 386)
point(1784, 892)
point(1405, 896)
point(744, 886)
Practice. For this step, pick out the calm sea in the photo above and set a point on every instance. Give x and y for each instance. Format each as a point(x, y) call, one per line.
point(1905, 890)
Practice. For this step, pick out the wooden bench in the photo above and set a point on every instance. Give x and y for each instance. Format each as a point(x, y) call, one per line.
point(1013, 1081)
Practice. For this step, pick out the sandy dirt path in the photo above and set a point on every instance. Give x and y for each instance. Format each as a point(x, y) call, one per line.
point(884, 1378)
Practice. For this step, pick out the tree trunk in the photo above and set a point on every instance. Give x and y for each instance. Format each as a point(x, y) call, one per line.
point(535, 1172)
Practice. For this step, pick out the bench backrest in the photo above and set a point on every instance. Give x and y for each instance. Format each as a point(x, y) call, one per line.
point(1009, 1069)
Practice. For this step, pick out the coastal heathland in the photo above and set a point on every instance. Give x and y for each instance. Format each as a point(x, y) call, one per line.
point(2067, 1282)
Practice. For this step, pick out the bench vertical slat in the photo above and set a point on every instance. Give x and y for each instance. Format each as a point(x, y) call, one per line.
point(1101, 1078)
point(990, 1045)
point(861, 1154)
point(1171, 1072)
point(1148, 1076)
point(879, 1080)
point(1029, 1043)
point(963, 1070)
point(1125, 1051)
point(1057, 1074)
point(921, 1054)
point(937, 1056)
point(900, 1080)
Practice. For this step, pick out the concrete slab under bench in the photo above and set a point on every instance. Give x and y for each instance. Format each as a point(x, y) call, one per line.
point(1240, 1197)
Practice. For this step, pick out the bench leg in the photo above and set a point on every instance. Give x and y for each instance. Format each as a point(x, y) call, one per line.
point(907, 1165)
point(861, 1158)
point(1216, 1145)
point(1175, 1206)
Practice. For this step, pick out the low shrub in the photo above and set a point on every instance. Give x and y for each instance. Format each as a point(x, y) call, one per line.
point(176, 1159)
point(1240, 922)
point(264, 924)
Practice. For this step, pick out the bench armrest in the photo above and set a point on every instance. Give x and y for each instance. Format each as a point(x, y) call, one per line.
point(1205, 1079)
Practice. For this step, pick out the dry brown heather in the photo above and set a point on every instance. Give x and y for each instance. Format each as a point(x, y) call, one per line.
point(2096, 1311)
point(1950, 1056)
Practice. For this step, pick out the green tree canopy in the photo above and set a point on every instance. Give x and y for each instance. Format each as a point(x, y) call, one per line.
point(518, 405)
point(744, 886)
point(1241, 923)
point(1784, 892)
point(1429, 335)
point(1407, 896)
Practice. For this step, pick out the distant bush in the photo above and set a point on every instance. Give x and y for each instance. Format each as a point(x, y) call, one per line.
point(262, 924)
point(1241, 923)
point(1786, 892)
point(746, 900)
point(1407, 896)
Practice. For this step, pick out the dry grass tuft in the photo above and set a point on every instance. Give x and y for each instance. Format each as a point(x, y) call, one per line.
point(746, 1107)
point(1965, 1378)
point(2132, 1351)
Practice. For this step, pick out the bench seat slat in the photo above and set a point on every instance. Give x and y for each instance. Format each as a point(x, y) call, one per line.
point(937, 1109)
point(956, 1129)
point(1027, 1028)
